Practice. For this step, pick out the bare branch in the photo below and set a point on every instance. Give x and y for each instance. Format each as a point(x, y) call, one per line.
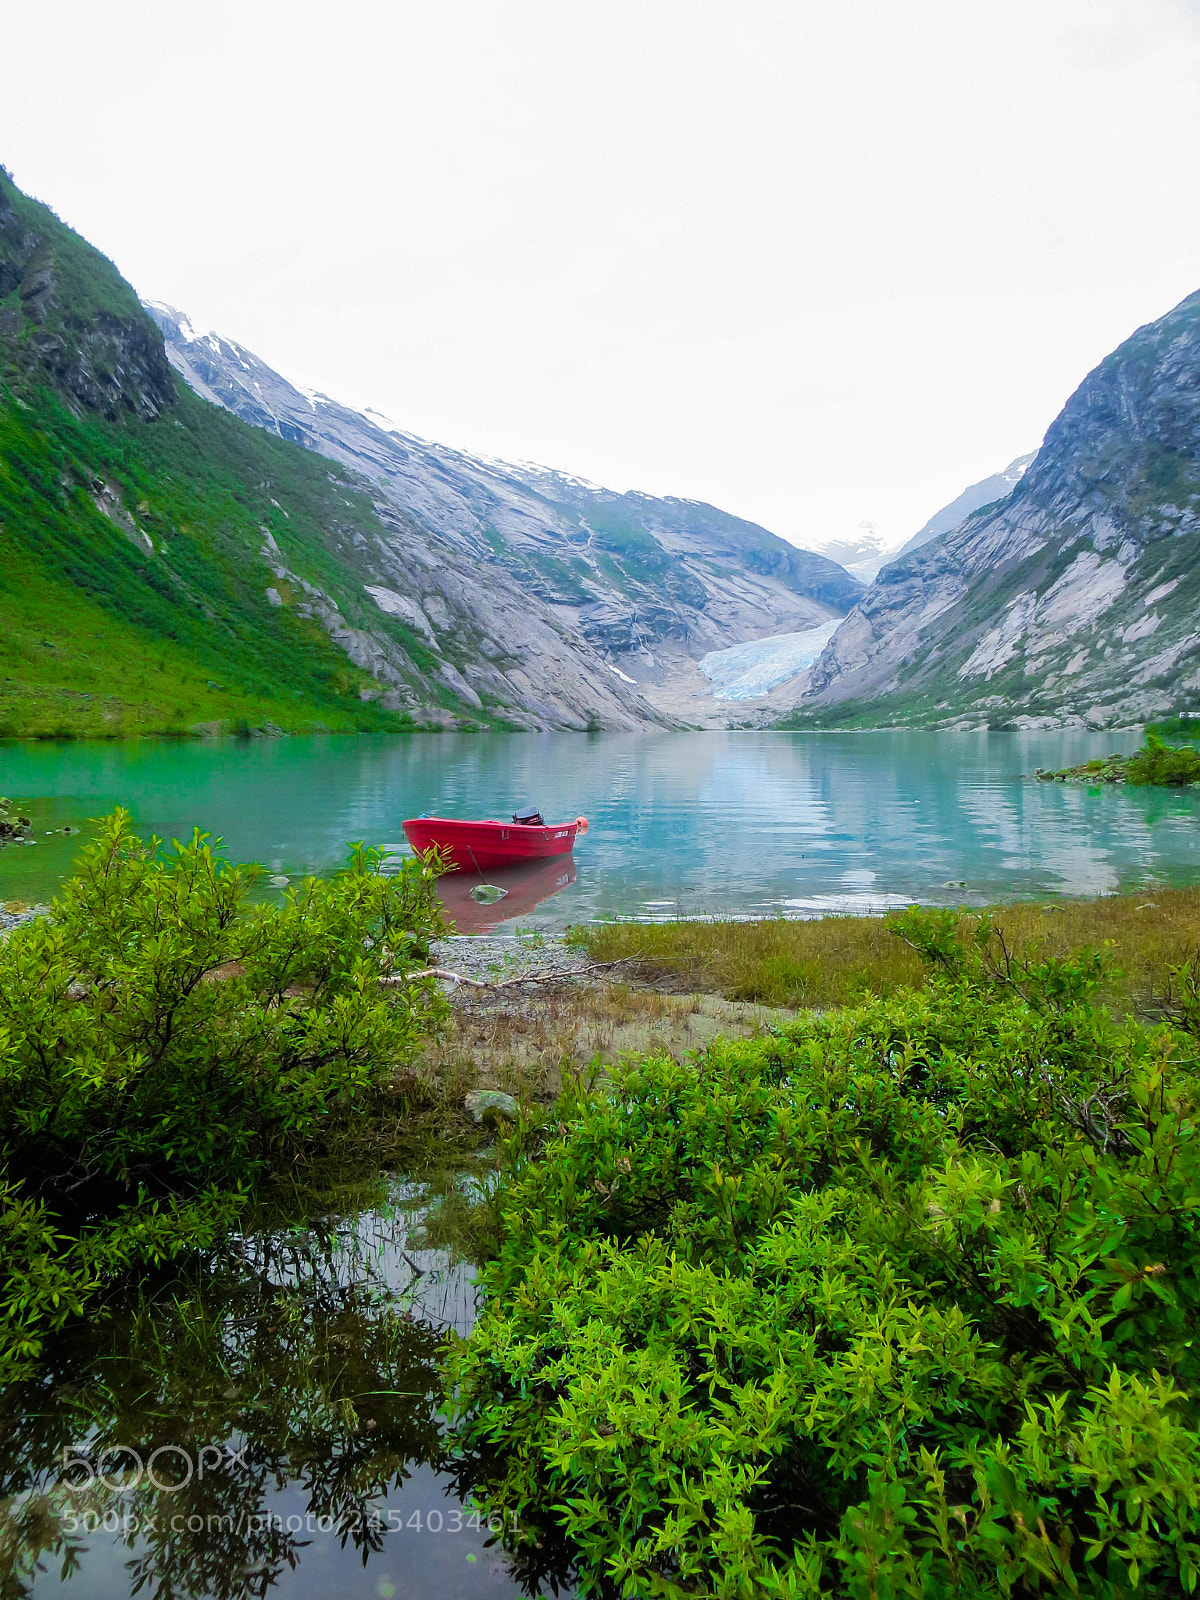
point(504, 983)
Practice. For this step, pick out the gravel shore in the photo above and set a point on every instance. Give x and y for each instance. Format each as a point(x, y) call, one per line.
point(14, 919)
point(486, 957)
point(491, 958)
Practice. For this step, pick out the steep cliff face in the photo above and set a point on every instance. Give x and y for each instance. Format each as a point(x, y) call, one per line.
point(973, 498)
point(68, 315)
point(1077, 598)
point(641, 587)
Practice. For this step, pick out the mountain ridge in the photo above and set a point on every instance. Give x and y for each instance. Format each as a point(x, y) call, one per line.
point(1075, 600)
point(651, 584)
point(131, 517)
point(168, 568)
point(988, 491)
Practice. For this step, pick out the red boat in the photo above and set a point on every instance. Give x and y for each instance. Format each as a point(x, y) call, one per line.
point(480, 846)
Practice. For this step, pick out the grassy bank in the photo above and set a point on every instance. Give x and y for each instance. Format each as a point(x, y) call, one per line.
point(529, 1043)
point(830, 961)
point(107, 633)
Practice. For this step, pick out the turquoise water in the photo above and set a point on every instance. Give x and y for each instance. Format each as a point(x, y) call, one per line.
point(681, 824)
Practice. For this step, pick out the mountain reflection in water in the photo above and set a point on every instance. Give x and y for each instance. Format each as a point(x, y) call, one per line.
point(266, 1422)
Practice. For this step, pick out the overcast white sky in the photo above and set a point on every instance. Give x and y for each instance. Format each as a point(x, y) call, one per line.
point(821, 262)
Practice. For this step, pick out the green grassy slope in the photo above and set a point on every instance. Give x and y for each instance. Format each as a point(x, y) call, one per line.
point(132, 526)
point(100, 636)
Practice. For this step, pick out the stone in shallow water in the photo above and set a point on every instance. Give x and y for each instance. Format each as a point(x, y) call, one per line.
point(488, 893)
point(486, 1105)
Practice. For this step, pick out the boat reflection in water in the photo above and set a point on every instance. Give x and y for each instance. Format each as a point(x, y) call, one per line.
point(526, 887)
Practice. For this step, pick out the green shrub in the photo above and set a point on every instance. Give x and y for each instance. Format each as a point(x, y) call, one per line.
point(1157, 762)
point(164, 1042)
point(899, 1302)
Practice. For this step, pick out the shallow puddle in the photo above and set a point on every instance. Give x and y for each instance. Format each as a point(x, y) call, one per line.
point(265, 1422)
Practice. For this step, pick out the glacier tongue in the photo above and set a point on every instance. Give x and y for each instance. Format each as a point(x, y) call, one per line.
point(745, 671)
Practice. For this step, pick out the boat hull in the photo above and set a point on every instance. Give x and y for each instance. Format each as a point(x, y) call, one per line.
point(481, 846)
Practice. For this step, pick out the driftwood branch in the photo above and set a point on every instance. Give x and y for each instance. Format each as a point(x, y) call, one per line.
point(505, 983)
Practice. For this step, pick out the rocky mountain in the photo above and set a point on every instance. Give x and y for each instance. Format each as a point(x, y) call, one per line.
point(538, 595)
point(165, 566)
point(984, 493)
point(68, 318)
point(865, 557)
point(862, 557)
point(1074, 600)
point(133, 593)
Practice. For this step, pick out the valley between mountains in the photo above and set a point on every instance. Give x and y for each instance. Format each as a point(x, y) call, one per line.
point(1072, 601)
point(538, 593)
point(274, 562)
point(191, 543)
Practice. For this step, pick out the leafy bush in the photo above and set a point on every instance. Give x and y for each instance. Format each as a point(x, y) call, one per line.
point(901, 1301)
point(164, 1042)
point(1157, 762)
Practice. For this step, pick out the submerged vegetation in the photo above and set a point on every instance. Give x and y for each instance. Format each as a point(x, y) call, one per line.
point(166, 1043)
point(898, 1302)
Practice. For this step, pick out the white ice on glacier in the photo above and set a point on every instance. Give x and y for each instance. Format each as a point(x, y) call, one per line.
point(745, 671)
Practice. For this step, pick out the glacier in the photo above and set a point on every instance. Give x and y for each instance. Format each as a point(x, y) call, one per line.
point(745, 671)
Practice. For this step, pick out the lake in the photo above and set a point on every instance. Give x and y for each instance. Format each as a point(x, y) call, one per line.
point(682, 824)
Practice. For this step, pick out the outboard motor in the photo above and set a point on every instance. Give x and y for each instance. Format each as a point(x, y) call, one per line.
point(529, 817)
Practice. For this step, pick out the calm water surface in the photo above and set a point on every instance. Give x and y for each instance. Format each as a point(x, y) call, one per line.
point(265, 1422)
point(681, 824)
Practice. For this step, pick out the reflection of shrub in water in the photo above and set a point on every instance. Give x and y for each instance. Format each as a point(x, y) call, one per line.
point(282, 1358)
